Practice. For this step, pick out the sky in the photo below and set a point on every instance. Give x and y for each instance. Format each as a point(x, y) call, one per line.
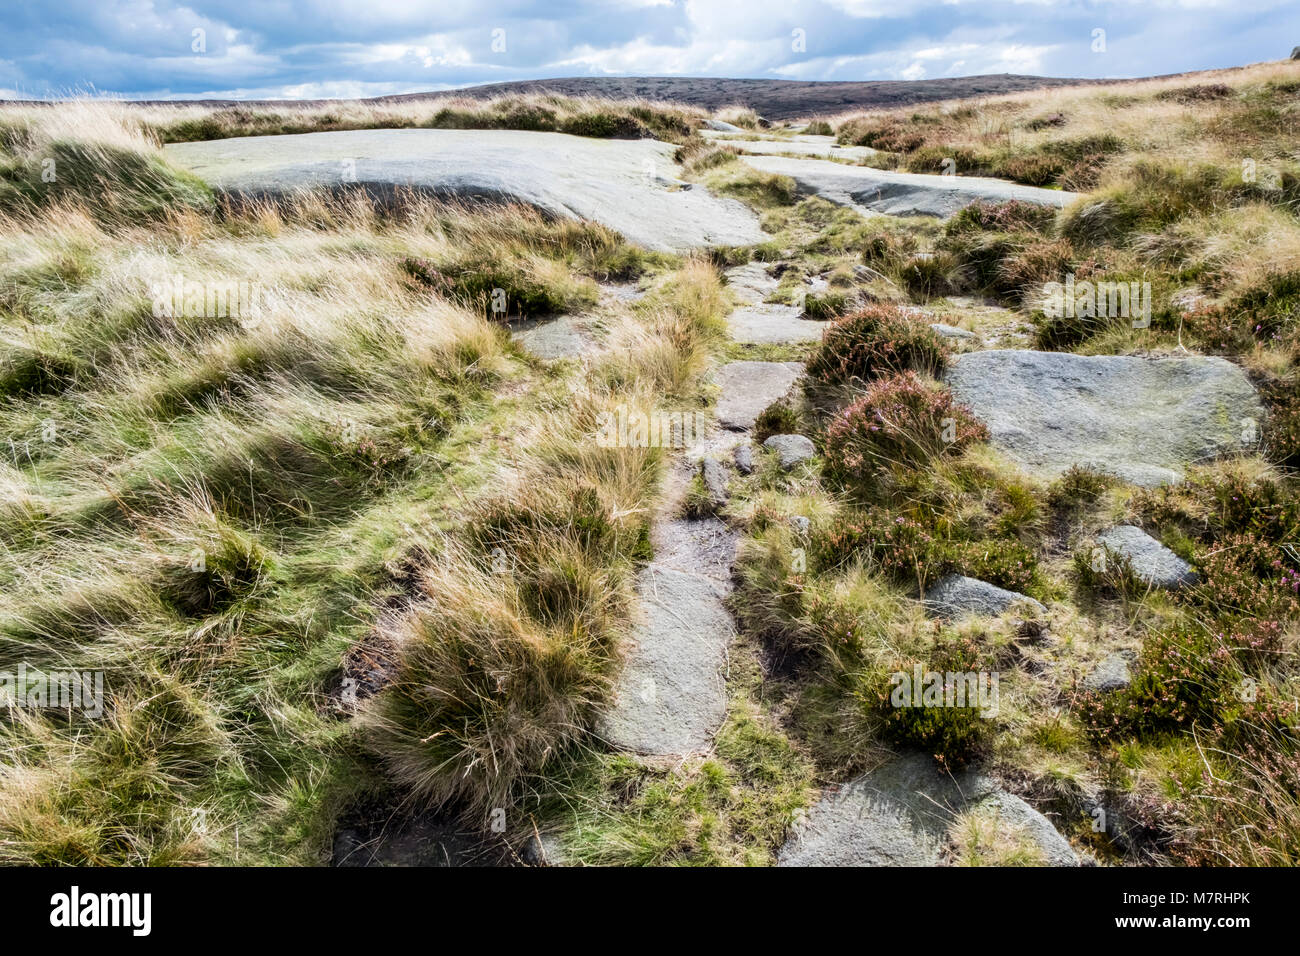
point(249, 49)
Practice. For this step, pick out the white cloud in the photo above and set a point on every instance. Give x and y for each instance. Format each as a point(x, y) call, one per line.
point(136, 47)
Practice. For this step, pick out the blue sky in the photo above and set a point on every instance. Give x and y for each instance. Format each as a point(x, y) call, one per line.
point(325, 48)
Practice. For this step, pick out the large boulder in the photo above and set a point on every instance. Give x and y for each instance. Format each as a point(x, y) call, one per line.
point(1151, 562)
point(901, 194)
point(902, 815)
point(629, 185)
point(1143, 420)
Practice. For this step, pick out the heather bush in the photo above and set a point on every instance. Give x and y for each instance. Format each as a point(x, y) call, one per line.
point(1187, 676)
point(1243, 574)
point(876, 341)
point(900, 420)
point(1222, 501)
point(916, 552)
point(892, 136)
point(1282, 429)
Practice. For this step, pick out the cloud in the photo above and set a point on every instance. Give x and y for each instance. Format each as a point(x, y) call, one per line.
point(268, 48)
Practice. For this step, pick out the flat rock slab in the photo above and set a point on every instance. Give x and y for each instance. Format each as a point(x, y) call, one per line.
point(628, 185)
point(954, 595)
point(1151, 561)
point(751, 282)
point(670, 697)
point(951, 331)
point(901, 194)
point(749, 387)
point(566, 336)
point(1142, 420)
point(815, 146)
point(770, 324)
point(902, 815)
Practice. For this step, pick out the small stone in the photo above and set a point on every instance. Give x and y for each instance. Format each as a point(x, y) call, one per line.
point(951, 331)
point(715, 481)
point(791, 449)
point(1111, 674)
point(744, 455)
point(1295, 53)
point(1153, 563)
point(955, 595)
point(800, 525)
point(543, 849)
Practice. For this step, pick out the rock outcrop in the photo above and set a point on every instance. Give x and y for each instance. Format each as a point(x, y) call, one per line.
point(900, 194)
point(954, 595)
point(629, 185)
point(1152, 563)
point(902, 814)
point(1142, 420)
point(791, 449)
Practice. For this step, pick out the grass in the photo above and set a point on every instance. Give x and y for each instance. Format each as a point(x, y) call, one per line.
point(216, 506)
point(580, 116)
point(353, 547)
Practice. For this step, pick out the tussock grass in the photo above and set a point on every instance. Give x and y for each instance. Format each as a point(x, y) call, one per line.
point(92, 153)
point(511, 648)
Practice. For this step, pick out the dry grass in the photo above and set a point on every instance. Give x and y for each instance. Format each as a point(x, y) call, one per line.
point(582, 116)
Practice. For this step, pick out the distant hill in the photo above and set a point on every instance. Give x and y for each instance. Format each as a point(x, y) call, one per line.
point(772, 99)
